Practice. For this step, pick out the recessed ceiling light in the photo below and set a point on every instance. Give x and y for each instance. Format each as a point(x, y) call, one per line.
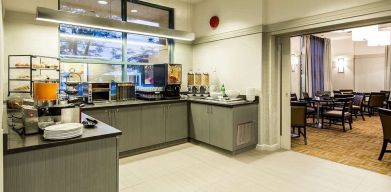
point(103, 2)
point(134, 10)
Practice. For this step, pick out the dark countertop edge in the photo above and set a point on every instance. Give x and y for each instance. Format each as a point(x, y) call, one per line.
point(224, 105)
point(124, 104)
point(59, 143)
point(111, 105)
point(79, 139)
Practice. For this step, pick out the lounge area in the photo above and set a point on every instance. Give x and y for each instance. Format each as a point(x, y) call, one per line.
point(340, 97)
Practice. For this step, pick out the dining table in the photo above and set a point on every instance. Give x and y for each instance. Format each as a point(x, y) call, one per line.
point(319, 102)
point(323, 101)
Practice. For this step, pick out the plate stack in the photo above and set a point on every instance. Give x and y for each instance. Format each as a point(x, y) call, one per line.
point(63, 131)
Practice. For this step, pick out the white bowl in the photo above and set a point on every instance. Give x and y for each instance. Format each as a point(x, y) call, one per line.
point(232, 94)
point(215, 95)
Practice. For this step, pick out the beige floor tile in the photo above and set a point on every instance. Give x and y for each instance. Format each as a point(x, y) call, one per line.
point(190, 167)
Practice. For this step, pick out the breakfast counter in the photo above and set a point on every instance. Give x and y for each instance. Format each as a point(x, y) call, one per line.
point(14, 143)
point(63, 165)
point(138, 102)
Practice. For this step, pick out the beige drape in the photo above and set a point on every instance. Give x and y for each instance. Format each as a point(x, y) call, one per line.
point(307, 80)
point(387, 75)
point(327, 62)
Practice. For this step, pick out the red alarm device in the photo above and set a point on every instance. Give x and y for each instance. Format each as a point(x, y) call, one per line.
point(214, 22)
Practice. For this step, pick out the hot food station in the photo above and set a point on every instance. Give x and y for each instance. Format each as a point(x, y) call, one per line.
point(55, 113)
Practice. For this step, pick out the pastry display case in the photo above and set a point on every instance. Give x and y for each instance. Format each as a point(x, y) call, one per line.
point(24, 70)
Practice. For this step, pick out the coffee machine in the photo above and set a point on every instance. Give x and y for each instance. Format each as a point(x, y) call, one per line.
point(169, 76)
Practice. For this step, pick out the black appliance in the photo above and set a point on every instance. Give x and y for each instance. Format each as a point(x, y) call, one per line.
point(172, 92)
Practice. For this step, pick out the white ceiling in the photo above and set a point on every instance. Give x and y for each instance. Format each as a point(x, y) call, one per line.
point(347, 33)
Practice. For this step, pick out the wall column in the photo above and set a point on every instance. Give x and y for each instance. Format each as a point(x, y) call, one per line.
point(269, 133)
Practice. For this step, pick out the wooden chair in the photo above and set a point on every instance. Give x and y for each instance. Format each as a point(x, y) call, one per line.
point(385, 117)
point(357, 106)
point(387, 97)
point(343, 116)
point(306, 96)
point(299, 119)
point(376, 100)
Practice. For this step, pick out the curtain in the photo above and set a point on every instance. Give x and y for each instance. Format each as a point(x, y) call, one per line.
point(387, 83)
point(306, 54)
point(327, 61)
point(317, 69)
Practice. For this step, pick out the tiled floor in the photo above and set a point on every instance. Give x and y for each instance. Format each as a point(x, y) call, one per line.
point(190, 167)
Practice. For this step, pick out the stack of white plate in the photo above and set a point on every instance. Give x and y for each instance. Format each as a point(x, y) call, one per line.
point(63, 131)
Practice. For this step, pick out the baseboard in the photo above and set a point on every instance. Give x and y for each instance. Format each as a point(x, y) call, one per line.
point(152, 148)
point(265, 147)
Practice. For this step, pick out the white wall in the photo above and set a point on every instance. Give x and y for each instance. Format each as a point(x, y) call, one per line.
point(369, 74)
point(342, 48)
point(364, 70)
point(283, 10)
point(236, 62)
point(233, 15)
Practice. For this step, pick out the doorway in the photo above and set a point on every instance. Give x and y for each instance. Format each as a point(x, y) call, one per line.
point(346, 64)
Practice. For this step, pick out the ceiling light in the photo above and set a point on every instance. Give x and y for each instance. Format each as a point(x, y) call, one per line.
point(363, 33)
point(381, 38)
point(134, 10)
point(55, 16)
point(103, 2)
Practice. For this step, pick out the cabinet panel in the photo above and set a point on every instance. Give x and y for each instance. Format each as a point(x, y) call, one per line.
point(246, 115)
point(100, 114)
point(128, 120)
point(153, 126)
point(176, 121)
point(199, 122)
point(221, 127)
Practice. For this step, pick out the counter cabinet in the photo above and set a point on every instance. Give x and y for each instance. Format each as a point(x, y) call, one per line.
point(232, 129)
point(146, 125)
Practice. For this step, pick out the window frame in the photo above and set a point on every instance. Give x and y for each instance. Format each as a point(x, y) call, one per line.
point(124, 62)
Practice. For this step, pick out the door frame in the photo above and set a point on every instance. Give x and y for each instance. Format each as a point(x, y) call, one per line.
point(275, 121)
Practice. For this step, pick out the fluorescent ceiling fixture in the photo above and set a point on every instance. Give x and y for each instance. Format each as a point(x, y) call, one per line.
point(106, 40)
point(381, 38)
point(134, 10)
point(103, 2)
point(363, 33)
point(54, 16)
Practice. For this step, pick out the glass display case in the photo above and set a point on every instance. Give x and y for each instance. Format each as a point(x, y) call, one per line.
point(23, 70)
